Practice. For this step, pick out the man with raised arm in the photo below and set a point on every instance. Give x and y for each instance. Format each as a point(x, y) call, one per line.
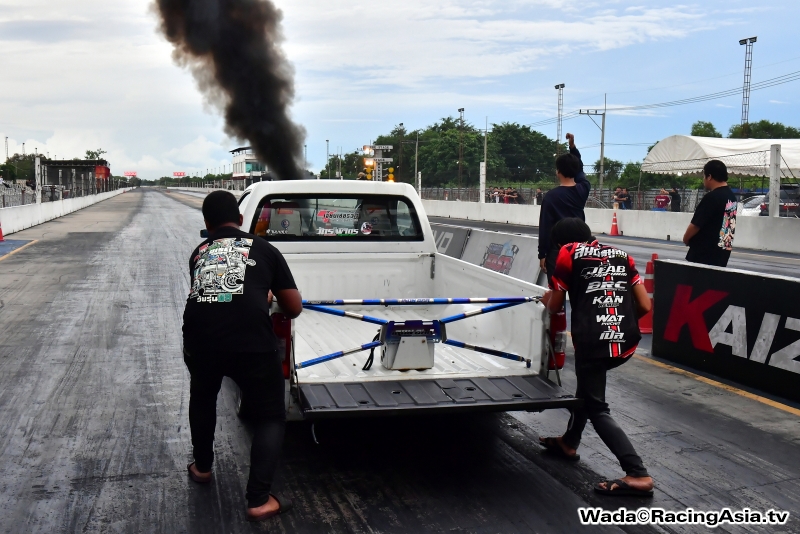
point(567, 200)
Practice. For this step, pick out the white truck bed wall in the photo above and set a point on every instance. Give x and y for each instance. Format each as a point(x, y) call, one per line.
point(384, 275)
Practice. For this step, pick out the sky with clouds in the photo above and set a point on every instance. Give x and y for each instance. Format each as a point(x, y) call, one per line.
point(81, 74)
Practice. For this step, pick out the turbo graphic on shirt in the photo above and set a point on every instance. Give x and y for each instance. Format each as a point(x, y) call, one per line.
point(219, 269)
point(728, 226)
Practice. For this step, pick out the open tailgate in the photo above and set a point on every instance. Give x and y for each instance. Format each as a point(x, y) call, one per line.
point(382, 398)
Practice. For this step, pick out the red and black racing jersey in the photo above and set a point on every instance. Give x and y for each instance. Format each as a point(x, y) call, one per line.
point(599, 279)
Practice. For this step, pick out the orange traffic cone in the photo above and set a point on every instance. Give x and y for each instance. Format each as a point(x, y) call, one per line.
point(614, 227)
point(1, 233)
point(646, 321)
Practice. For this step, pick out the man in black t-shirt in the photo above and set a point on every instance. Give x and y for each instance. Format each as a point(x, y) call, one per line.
point(227, 331)
point(607, 298)
point(567, 200)
point(710, 234)
point(675, 197)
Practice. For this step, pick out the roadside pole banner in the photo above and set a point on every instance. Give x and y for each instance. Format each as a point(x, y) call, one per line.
point(450, 240)
point(736, 324)
point(510, 254)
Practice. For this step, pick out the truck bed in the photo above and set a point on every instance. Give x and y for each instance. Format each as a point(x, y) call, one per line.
point(318, 334)
point(461, 379)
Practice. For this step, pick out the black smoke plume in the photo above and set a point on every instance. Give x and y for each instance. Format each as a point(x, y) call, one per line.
point(232, 48)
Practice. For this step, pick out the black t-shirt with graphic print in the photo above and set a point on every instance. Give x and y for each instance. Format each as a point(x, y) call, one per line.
point(231, 274)
point(600, 280)
point(716, 218)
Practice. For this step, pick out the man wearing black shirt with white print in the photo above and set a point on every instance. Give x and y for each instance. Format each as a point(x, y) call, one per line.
point(710, 234)
point(227, 331)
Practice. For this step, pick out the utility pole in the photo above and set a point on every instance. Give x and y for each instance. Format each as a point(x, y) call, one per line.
point(399, 166)
point(460, 149)
point(484, 163)
point(602, 127)
point(416, 166)
point(305, 157)
point(748, 65)
point(328, 157)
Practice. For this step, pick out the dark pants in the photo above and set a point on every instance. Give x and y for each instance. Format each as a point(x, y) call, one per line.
point(591, 374)
point(260, 377)
point(550, 263)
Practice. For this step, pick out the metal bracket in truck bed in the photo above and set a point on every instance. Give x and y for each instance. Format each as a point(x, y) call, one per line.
point(386, 398)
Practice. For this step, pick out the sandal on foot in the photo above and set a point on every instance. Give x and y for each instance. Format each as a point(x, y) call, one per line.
point(193, 476)
point(284, 505)
point(552, 446)
point(623, 489)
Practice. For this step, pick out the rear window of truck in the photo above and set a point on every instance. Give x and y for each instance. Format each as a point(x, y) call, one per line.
point(353, 218)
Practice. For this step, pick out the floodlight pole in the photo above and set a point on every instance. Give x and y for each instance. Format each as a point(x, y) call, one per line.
point(748, 66)
point(560, 89)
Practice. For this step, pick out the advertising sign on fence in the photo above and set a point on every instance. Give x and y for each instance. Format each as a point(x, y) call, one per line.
point(514, 255)
point(450, 240)
point(740, 325)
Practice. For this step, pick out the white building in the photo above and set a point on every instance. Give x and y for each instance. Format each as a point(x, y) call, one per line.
point(246, 166)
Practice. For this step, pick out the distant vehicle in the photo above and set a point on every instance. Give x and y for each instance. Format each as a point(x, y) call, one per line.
point(371, 240)
point(752, 206)
point(790, 200)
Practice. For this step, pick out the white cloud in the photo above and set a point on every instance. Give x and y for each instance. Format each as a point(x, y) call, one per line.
point(84, 74)
point(777, 102)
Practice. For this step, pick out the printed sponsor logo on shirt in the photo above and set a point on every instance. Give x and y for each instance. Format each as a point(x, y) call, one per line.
point(603, 271)
point(584, 251)
point(607, 286)
point(607, 301)
point(610, 319)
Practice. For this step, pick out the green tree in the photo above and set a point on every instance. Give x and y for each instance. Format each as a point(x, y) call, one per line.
point(527, 155)
point(611, 168)
point(704, 129)
point(95, 154)
point(764, 129)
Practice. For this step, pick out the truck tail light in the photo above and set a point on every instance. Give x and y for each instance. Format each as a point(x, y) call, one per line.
point(558, 339)
point(282, 326)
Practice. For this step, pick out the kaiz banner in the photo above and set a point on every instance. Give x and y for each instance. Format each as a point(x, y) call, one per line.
point(736, 324)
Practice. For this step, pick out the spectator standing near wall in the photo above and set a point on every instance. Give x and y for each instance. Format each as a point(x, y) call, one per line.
point(675, 197)
point(539, 196)
point(566, 200)
point(662, 200)
point(710, 234)
point(624, 199)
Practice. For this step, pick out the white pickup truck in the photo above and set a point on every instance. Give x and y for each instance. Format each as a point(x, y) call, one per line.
point(351, 243)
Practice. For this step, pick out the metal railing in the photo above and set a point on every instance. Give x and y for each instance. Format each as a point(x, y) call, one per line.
point(640, 200)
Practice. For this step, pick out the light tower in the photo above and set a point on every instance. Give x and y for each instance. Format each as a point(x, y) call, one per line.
point(560, 89)
point(748, 65)
point(460, 149)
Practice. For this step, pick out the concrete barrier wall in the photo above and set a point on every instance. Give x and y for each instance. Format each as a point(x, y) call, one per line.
point(757, 233)
point(21, 217)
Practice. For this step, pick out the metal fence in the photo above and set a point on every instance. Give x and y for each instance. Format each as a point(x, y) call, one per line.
point(20, 195)
point(600, 199)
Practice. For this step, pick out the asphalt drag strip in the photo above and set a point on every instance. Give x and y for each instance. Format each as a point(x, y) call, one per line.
point(94, 401)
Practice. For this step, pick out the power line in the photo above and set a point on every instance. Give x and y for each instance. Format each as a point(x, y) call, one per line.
point(771, 82)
